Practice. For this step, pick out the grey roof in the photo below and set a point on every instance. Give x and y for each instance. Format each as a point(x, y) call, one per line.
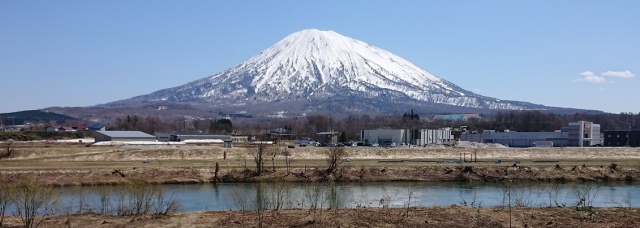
point(126, 134)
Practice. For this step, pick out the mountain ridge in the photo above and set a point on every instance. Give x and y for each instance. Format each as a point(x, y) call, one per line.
point(313, 66)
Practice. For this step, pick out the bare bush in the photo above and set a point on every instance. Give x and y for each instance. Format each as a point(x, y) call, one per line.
point(163, 205)
point(335, 157)
point(587, 193)
point(7, 195)
point(315, 195)
point(8, 148)
point(104, 196)
point(473, 202)
point(411, 191)
point(239, 200)
point(34, 200)
point(553, 191)
point(522, 197)
point(141, 198)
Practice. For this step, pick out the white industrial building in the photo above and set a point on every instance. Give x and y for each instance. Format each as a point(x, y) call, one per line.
point(583, 133)
point(435, 136)
point(388, 136)
point(194, 136)
point(123, 136)
point(579, 134)
point(420, 137)
point(525, 139)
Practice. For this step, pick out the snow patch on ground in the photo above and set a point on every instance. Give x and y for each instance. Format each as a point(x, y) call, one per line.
point(83, 140)
point(120, 143)
point(203, 141)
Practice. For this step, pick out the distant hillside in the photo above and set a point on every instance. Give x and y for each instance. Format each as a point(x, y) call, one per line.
point(32, 116)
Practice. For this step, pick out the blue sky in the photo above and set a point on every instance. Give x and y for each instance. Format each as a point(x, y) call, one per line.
point(578, 54)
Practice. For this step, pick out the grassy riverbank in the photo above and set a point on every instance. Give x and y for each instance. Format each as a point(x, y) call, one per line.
point(82, 164)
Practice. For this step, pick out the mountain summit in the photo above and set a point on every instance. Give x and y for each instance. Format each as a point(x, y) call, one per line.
point(323, 71)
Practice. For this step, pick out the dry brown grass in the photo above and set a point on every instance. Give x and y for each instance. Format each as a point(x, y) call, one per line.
point(452, 216)
point(75, 163)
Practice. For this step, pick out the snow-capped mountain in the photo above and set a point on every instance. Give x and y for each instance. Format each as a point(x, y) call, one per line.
point(311, 69)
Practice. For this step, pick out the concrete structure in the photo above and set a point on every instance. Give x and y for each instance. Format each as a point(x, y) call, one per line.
point(435, 136)
point(127, 136)
point(280, 134)
point(525, 139)
point(471, 137)
point(181, 136)
point(239, 139)
point(583, 133)
point(328, 137)
point(389, 136)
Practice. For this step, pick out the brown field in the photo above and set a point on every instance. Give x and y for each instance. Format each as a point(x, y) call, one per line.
point(82, 164)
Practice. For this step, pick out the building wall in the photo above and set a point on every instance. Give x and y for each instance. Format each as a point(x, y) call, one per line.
point(634, 138)
point(471, 137)
point(622, 138)
point(387, 136)
point(583, 133)
point(127, 136)
point(101, 138)
point(180, 138)
point(616, 138)
point(239, 139)
point(133, 139)
point(162, 137)
point(524, 139)
point(435, 136)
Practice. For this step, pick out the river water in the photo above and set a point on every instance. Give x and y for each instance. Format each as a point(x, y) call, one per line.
point(236, 196)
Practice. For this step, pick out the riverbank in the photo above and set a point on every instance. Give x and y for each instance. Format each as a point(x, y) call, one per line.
point(440, 173)
point(450, 216)
point(73, 164)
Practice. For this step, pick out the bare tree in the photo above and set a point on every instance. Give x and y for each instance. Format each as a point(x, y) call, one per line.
point(259, 153)
point(6, 198)
point(335, 157)
point(34, 200)
point(8, 148)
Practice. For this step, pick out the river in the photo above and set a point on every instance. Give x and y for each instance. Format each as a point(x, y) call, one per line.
point(236, 196)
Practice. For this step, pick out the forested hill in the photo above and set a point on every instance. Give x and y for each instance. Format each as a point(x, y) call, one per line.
point(32, 116)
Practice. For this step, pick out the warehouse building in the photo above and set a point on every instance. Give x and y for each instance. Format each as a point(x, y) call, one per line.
point(194, 136)
point(436, 136)
point(622, 138)
point(578, 134)
point(525, 139)
point(389, 137)
point(123, 136)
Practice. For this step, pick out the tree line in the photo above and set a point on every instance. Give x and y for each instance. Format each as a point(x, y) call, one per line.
point(351, 125)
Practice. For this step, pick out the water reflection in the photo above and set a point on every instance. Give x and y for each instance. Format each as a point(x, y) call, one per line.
point(250, 196)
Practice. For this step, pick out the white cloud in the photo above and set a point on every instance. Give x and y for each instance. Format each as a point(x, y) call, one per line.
point(619, 74)
point(590, 77)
